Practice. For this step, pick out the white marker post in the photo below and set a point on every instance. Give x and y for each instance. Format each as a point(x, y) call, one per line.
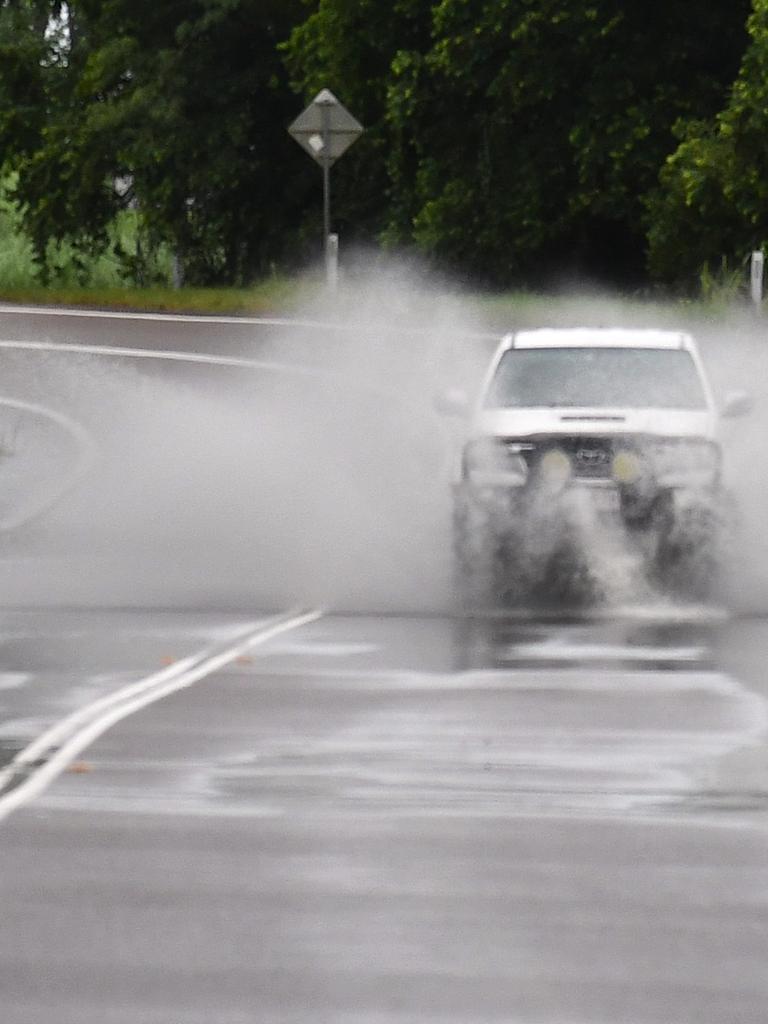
point(325, 130)
point(332, 261)
point(756, 268)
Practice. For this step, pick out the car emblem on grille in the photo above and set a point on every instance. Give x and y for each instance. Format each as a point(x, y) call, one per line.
point(592, 456)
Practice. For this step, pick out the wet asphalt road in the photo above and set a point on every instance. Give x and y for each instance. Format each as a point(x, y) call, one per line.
point(386, 819)
point(183, 334)
point(395, 819)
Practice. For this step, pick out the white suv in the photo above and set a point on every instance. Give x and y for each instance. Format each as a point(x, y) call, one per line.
point(579, 434)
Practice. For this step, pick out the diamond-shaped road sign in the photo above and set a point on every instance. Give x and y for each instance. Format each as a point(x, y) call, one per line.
point(326, 129)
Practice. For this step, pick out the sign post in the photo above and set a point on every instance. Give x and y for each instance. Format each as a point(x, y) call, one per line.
point(326, 130)
point(332, 261)
point(756, 265)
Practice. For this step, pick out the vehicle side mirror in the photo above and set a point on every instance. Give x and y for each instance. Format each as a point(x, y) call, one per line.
point(451, 402)
point(737, 403)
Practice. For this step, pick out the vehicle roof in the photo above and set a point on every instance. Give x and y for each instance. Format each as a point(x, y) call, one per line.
point(599, 337)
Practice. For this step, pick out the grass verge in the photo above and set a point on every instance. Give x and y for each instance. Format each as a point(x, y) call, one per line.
point(280, 296)
point(274, 296)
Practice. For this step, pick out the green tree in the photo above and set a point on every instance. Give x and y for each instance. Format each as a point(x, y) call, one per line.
point(513, 139)
point(712, 204)
point(27, 58)
point(186, 104)
point(539, 128)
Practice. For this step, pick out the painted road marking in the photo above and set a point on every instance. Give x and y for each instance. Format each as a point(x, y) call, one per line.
point(86, 458)
point(416, 411)
point(210, 359)
point(191, 318)
point(170, 355)
point(180, 318)
point(45, 758)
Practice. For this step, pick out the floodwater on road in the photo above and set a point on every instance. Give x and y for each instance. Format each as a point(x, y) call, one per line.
point(389, 816)
point(391, 819)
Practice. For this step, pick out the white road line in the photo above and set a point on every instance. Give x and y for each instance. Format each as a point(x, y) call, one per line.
point(162, 354)
point(182, 318)
point(87, 453)
point(206, 358)
point(46, 757)
point(190, 318)
point(316, 373)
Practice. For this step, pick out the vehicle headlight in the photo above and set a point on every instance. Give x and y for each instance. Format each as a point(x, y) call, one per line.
point(494, 462)
point(686, 463)
point(627, 467)
point(555, 468)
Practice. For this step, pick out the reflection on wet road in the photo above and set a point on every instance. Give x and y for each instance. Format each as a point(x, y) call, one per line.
point(385, 820)
point(645, 639)
point(435, 716)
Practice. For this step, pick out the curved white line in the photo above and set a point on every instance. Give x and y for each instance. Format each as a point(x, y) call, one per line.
point(209, 359)
point(205, 358)
point(87, 453)
point(69, 737)
point(181, 318)
point(137, 353)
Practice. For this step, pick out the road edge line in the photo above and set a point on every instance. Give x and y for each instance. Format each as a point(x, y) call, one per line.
point(15, 309)
point(114, 708)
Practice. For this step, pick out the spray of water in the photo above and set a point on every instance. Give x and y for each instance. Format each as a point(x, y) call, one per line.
point(323, 477)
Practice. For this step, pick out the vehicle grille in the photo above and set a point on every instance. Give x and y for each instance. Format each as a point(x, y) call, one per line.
point(591, 457)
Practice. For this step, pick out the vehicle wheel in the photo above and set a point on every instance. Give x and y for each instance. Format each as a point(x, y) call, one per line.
point(567, 579)
point(475, 558)
point(687, 557)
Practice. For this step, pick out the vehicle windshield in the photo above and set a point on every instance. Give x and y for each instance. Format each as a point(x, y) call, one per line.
point(629, 378)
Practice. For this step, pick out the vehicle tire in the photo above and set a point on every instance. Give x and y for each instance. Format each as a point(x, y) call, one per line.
point(474, 557)
point(567, 579)
point(688, 557)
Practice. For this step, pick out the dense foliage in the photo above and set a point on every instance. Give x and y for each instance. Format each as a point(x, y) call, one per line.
point(521, 138)
point(712, 204)
point(513, 140)
point(182, 103)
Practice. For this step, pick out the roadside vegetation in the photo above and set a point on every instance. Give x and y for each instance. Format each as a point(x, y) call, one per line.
point(512, 143)
point(72, 278)
point(99, 282)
